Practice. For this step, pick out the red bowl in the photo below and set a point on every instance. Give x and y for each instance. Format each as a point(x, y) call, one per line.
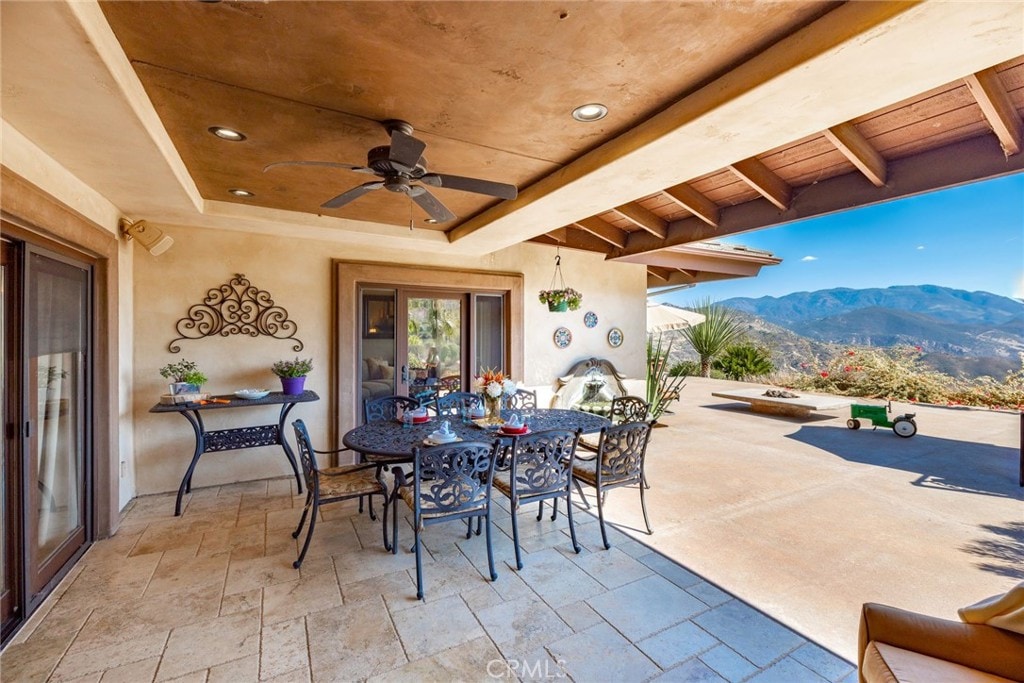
point(505, 429)
point(420, 420)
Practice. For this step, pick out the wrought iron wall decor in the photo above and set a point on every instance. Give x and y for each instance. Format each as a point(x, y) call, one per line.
point(236, 307)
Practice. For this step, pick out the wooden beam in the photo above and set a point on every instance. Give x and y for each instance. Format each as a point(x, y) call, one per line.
point(978, 158)
point(643, 218)
point(859, 151)
point(662, 274)
point(606, 231)
point(758, 176)
point(558, 234)
point(689, 273)
point(694, 202)
point(995, 103)
point(584, 241)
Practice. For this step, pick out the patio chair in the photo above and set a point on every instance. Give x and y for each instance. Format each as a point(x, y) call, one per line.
point(452, 404)
point(386, 407)
point(619, 462)
point(523, 398)
point(449, 482)
point(623, 409)
point(540, 469)
point(333, 484)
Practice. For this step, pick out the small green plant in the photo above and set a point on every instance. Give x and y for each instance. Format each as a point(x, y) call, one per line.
point(555, 297)
point(184, 371)
point(662, 386)
point(744, 362)
point(300, 367)
point(685, 368)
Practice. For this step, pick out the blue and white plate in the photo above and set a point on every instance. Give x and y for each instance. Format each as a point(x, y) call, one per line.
point(563, 337)
point(615, 337)
point(590, 319)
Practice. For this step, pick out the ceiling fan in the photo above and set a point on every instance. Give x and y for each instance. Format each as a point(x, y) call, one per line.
point(400, 166)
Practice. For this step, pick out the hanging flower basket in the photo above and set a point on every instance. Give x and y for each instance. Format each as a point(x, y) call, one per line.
point(561, 299)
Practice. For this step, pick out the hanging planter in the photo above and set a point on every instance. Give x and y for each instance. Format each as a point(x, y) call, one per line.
point(561, 299)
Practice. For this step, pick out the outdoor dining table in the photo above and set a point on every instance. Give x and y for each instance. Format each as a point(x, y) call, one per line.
point(389, 441)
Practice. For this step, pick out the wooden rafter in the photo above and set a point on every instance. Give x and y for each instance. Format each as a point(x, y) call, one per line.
point(659, 272)
point(558, 234)
point(995, 103)
point(859, 151)
point(694, 202)
point(643, 218)
point(760, 177)
point(606, 231)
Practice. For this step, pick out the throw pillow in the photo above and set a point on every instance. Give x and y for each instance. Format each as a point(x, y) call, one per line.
point(1004, 611)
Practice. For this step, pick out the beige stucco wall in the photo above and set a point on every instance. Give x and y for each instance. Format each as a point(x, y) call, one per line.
point(297, 274)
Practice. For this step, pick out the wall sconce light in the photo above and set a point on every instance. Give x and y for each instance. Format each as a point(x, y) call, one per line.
point(151, 238)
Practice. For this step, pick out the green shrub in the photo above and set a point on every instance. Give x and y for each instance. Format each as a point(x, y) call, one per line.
point(744, 361)
point(685, 368)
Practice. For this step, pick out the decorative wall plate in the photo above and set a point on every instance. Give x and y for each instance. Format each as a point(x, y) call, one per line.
point(615, 337)
point(590, 319)
point(563, 337)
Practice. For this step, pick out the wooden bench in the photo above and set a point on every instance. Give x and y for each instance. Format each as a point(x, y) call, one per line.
point(789, 407)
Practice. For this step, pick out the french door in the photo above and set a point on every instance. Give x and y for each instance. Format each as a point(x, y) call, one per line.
point(46, 455)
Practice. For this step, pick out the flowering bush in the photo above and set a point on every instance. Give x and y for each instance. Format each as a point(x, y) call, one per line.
point(898, 374)
point(494, 383)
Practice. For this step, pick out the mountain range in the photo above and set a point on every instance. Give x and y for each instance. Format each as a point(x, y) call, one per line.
point(960, 332)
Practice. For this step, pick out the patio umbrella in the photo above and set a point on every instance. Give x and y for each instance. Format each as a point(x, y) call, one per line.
point(665, 317)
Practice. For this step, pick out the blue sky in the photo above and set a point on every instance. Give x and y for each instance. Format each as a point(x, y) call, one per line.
point(969, 237)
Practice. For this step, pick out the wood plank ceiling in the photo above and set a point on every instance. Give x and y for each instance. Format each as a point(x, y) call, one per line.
point(488, 87)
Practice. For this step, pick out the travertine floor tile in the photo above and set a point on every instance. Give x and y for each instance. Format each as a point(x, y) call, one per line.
point(286, 601)
point(558, 581)
point(521, 626)
point(476, 660)
point(748, 632)
point(602, 654)
point(83, 659)
point(244, 669)
point(142, 670)
point(257, 572)
point(206, 644)
point(370, 643)
point(646, 606)
point(613, 568)
point(420, 631)
point(283, 649)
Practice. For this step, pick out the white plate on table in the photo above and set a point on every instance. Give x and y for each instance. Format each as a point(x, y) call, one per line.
point(430, 441)
point(252, 394)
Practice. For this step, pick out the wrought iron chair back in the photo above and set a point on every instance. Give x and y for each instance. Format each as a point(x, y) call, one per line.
point(333, 484)
point(619, 462)
point(455, 402)
point(523, 398)
point(629, 409)
point(540, 469)
point(451, 481)
point(386, 407)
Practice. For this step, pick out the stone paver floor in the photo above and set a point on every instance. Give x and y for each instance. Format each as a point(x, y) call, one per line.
point(212, 596)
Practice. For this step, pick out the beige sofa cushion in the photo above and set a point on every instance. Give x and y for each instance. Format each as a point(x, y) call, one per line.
point(884, 663)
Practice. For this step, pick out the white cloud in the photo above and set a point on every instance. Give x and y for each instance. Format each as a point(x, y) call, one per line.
point(920, 247)
point(809, 258)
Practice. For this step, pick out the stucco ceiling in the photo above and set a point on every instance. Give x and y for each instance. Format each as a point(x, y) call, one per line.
point(723, 117)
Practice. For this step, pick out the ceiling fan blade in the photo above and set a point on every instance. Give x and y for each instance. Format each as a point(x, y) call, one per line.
point(405, 149)
point(355, 193)
point(330, 164)
point(455, 182)
point(431, 204)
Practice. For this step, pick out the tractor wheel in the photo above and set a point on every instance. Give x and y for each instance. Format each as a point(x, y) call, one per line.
point(853, 424)
point(904, 427)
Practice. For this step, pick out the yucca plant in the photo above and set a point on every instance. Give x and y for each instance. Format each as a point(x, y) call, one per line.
point(662, 387)
point(721, 327)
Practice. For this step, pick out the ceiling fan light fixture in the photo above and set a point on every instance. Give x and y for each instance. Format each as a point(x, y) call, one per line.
point(229, 134)
point(239, 192)
point(432, 221)
point(590, 112)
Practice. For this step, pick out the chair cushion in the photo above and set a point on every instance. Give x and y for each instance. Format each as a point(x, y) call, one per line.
point(428, 510)
point(348, 481)
point(884, 663)
point(586, 471)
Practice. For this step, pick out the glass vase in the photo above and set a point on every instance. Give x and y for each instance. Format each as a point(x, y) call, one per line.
point(492, 404)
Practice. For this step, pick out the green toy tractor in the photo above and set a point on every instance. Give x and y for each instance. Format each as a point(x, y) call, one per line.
point(904, 425)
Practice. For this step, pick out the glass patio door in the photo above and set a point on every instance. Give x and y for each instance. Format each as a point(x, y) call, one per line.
point(432, 344)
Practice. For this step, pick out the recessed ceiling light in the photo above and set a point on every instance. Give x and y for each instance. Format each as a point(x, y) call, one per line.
point(238, 192)
point(226, 133)
point(590, 112)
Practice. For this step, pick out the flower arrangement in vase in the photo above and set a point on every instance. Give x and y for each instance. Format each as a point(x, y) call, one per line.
point(293, 374)
point(561, 299)
point(493, 385)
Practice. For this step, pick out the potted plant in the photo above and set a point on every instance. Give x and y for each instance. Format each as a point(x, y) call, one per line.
point(293, 374)
point(185, 375)
point(561, 300)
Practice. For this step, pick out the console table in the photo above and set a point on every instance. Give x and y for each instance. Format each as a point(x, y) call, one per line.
point(252, 436)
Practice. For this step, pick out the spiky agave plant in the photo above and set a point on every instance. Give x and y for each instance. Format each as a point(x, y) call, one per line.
point(662, 388)
point(721, 327)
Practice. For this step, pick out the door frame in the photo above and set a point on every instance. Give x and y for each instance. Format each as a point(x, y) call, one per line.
point(350, 276)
